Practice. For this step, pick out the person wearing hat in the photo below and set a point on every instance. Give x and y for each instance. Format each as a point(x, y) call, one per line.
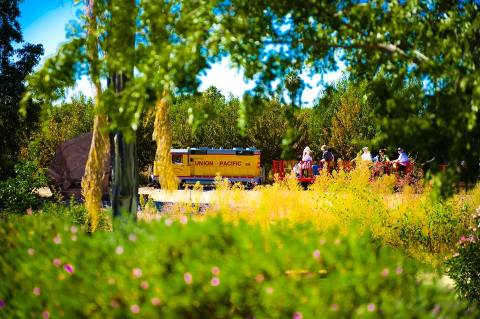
point(366, 155)
point(307, 155)
point(327, 158)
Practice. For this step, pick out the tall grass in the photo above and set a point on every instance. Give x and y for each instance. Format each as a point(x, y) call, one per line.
point(420, 224)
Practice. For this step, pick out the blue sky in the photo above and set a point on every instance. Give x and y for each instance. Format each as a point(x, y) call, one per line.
point(44, 21)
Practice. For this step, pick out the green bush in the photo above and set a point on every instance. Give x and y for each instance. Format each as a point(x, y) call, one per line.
point(464, 266)
point(208, 268)
point(17, 193)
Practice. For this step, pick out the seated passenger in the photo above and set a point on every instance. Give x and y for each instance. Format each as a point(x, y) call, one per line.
point(402, 161)
point(366, 156)
point(307, 155)
point(327, 157)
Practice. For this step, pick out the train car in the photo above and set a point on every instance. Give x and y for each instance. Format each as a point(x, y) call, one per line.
point(203, 165)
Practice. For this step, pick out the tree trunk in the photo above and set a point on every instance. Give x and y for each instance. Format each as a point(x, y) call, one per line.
point(124, 185)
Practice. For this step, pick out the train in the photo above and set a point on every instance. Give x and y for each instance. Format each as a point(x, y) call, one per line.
point(243, 165)
point(203, 165)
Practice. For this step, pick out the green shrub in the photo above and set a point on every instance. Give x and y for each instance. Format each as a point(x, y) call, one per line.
point(208, 268)
point(464, 266)
point(17, 193)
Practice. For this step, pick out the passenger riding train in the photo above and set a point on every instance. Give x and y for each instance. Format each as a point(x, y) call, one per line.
point(203, 165)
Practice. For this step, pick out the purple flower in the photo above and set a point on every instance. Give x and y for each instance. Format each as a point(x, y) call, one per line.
point(436, 310)
point(371, 307)
point(215, 281)
point(2, 303)
point(68, 268)
point(334, 307)
point(399, 270)
point(297, 315)
point(316, 254)
point(46, 314)
point(188, 278)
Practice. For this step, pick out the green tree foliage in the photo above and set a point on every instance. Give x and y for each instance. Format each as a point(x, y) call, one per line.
point(344, 118)
point(17, 60)
point(62, 123)
point(390, 44)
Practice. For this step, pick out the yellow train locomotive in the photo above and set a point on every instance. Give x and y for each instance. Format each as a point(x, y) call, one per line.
point(204, 164)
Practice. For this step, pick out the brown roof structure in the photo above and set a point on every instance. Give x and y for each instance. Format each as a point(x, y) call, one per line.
point(67, 169)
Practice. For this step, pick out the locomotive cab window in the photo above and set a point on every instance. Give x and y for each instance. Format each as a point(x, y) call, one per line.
point(177, 158)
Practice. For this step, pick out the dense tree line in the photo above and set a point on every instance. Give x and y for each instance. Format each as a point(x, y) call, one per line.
point(342, 119)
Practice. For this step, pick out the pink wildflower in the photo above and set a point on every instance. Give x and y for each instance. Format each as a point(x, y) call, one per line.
point(215, 270)
point(334, 307)
point(31, 251)
point(144, 285)
point(37, 291)
point(155, 301)
point(184, 220)
point(168, 222)
point(269, 290)
point(57, 239)
point(137, 272)
point(46, 314)
point(73, 229)
point(188, 278)
point(29, 211)
point(297, 315)
point(68, 268)
point(57, 262)
point(132, 237)
point(399, 270)
point(119, 250)
point(114, 303)
point(371, 307)
point(259, 278)
point(436, 310)
point(215, 281)
point(385, 272)
point(135, 309)
point(316, 254)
